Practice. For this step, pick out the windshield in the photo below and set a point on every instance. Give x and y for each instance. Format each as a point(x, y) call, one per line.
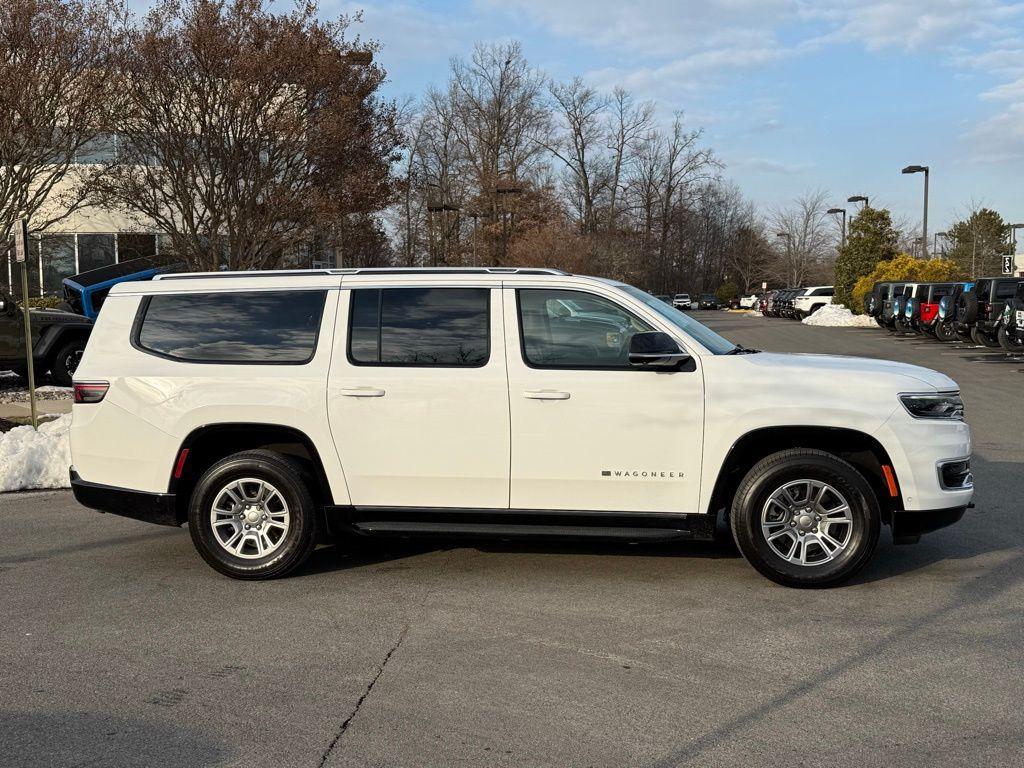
point(702, 334)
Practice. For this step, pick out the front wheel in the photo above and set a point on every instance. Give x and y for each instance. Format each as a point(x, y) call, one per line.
point(252, 516)
point(805, 518)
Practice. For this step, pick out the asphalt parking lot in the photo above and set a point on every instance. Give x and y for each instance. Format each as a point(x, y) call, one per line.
point(122, 648)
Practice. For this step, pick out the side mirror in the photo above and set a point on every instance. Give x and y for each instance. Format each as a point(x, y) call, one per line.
point(655, 349)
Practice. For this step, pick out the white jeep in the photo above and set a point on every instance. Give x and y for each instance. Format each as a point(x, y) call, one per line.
point(272, 411)
point(810, 300)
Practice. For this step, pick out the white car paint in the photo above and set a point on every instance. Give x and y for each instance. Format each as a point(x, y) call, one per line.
point(444, 437)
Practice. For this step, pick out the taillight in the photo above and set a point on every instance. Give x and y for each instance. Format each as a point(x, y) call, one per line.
point(90, 392)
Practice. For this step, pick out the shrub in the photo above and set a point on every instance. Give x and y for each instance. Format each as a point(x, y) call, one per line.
point(726, 291)
point(904, 267)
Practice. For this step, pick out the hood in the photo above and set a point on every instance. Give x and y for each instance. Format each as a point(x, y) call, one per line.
point(57, 316)
point(836, 365)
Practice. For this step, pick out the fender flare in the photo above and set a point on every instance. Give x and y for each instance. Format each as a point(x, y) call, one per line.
point(53, 336)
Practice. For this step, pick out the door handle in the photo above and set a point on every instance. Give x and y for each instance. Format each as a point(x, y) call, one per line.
point(545, 394)
point(362, 392)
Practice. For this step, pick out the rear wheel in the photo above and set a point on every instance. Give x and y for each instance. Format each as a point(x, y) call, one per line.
point(1008, 342)
point(805, 518)
point(943, 332)
point(65, 362)
point(251, 515)
point(982, 338)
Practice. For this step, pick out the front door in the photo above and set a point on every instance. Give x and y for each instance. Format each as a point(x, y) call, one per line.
point(589, 431)
point(418, 396)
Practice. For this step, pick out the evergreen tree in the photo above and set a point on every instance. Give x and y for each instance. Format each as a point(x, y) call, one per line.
point(979, 242)
point(871, 239)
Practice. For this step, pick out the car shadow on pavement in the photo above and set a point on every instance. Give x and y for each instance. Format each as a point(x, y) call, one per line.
point(56, 738)
point(367, 552)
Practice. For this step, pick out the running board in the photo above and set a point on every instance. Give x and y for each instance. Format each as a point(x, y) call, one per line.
point(520, 523)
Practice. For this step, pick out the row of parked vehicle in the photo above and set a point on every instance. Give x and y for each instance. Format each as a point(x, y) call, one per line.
point(795, 303)
point(988, 311)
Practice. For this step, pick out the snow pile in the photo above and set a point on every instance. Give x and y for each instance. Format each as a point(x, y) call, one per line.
point(30, 459)
point(838, 316)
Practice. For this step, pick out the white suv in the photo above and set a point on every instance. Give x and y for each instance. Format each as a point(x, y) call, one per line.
point(271, 411)
point(811, 300)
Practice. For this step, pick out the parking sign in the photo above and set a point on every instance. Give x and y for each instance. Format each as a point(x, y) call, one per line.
point(20, 241)
point(1007, 265)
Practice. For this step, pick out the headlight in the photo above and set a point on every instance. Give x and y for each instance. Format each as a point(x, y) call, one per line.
point(940, 405)
point(908, 311)
point(943, 308)
point(1007, 310)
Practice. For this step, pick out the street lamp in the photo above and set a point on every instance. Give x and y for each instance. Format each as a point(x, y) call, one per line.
point(924, 221)
point(859, 199)
point(843, 212)
point(935, 242)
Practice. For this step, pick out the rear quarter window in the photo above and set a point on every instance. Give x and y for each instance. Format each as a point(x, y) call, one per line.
point(251, 327)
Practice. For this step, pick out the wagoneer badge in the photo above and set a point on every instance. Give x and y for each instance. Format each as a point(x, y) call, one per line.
point(640, 473)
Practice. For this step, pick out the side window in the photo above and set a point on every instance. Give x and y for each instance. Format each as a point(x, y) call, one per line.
point(573, 329)
point(1006, 290)
point(442, 327)
point(823, 292)
point(245, 327)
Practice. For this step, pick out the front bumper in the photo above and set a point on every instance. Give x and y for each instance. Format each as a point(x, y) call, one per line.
point(158, 508)
point(908, 526)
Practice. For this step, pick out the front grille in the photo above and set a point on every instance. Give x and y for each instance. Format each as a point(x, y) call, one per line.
point(956, 475)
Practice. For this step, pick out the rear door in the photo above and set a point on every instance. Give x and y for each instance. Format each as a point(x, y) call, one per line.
point(418, 396)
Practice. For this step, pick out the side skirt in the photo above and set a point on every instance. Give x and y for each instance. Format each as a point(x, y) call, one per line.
point(519, 523)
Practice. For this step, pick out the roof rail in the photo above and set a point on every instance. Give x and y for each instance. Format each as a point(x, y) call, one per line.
point(370, 271)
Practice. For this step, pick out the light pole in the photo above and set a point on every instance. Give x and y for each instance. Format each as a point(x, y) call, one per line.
point(935, 242)
point(1013, 236)
point(843, 212)
point(924, 220)
point(859, 199)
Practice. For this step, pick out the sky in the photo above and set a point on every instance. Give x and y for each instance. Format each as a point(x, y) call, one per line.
point(793, 96)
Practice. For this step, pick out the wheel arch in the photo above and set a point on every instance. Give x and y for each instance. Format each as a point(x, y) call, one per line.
point(858, 448)
point(211, 442)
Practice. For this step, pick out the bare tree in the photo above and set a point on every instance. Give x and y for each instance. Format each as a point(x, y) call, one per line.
point(805, 249)
point(578, 144)
point(58, 73)
point(627, 126)
point(249, 134)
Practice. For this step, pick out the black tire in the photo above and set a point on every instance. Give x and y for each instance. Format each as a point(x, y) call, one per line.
point(982, 338)
point(881, 322)
point(943, 332)
point(1009, 343)
point(772, 473)
point(287, 476)
point(64, 364)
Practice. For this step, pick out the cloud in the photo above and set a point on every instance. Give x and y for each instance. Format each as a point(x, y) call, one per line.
point(765, 165)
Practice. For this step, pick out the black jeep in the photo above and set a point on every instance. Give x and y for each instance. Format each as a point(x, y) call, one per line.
point(1011, 326)
point(983, 310)
point(879, 303)
point(58, 340)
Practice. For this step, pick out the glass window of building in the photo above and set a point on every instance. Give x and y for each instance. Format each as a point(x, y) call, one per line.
point(95, 251)
point(58, 255)
point(131, 245)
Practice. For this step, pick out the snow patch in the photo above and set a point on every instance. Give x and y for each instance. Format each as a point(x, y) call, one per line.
point(838, 316)
point(31, 459)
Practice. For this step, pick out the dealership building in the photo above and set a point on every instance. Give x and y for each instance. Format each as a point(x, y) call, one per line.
point(93, 237)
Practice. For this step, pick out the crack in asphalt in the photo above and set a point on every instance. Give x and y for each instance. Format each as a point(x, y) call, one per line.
point(359, 703)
